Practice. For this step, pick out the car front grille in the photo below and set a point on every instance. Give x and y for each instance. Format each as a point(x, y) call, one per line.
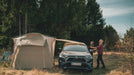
point(71, 56)
point(76, 56)
point(76, 59)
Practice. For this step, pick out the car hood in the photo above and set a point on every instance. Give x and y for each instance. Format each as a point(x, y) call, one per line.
point(73, 53)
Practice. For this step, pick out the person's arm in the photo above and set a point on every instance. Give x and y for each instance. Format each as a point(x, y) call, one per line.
point(92, 47)
point(98, 46)
point(95, 48)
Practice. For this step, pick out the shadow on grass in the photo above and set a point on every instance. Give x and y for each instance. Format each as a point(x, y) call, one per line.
point(99, 71)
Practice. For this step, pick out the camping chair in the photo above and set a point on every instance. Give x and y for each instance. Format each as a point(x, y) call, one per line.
point(5, 57)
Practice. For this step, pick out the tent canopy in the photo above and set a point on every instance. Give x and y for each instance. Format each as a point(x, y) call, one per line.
point(70, 41)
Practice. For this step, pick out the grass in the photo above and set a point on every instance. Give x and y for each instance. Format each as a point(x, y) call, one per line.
point(112, 60)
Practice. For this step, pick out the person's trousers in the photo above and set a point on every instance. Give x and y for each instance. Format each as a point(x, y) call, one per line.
point(100, 59)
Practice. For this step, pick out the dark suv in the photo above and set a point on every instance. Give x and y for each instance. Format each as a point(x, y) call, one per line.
point(75, 56)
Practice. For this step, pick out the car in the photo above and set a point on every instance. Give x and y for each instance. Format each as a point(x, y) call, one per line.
point(75, 56)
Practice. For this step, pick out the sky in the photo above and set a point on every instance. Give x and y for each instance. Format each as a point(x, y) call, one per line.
point(118, 13)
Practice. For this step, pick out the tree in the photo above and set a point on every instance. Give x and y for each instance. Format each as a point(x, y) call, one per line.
point(7, 24)
point(95, 20)
point(78, 20)
point(111, 37)
point(128, 42)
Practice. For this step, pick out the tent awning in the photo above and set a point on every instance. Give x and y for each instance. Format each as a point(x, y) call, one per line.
point(70, 41)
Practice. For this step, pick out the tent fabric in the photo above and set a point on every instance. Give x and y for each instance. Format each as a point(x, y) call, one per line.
point(33, 57)
point(70, 41)
point(33, 50)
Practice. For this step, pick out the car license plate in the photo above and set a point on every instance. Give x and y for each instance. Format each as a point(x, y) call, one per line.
point(76, 64)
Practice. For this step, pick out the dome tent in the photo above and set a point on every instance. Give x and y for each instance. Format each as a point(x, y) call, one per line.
point(33, 50)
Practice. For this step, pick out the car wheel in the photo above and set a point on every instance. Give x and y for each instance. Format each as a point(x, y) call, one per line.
point(64, 69)
point(91, 70)
point(86, 70)
point(92, 65)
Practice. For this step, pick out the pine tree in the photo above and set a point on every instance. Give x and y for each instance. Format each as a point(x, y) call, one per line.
point(111, 37)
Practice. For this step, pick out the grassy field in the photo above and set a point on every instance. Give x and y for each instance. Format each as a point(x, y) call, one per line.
point(115, 65)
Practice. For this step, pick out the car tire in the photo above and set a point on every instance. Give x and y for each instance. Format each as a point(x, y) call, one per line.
point(88, 71)
point(64, 69)
point(91, 70)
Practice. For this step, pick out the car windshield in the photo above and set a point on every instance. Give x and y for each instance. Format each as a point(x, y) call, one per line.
point(79, 48)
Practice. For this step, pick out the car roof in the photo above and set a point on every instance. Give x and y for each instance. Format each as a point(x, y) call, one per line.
point(66, 44)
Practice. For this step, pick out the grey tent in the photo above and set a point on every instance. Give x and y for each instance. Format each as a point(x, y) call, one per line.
point(34, 50)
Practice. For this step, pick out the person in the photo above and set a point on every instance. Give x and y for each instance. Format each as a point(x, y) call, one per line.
point(100, 54)
point(91, 47)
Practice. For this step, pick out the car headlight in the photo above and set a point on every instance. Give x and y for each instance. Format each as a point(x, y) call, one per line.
point(89, 57)
point(63, 56)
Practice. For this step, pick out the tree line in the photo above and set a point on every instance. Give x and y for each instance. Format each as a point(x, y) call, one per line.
point(79, 20)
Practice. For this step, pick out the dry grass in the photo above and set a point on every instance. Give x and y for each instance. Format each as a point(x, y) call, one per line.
point(114, 72)
point(112, 60)
point(29, 72)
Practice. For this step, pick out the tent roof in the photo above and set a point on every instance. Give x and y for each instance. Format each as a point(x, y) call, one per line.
point(32, 39)
point(38, 40)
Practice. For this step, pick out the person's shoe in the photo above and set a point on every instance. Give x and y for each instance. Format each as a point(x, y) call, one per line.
point(103, 67)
